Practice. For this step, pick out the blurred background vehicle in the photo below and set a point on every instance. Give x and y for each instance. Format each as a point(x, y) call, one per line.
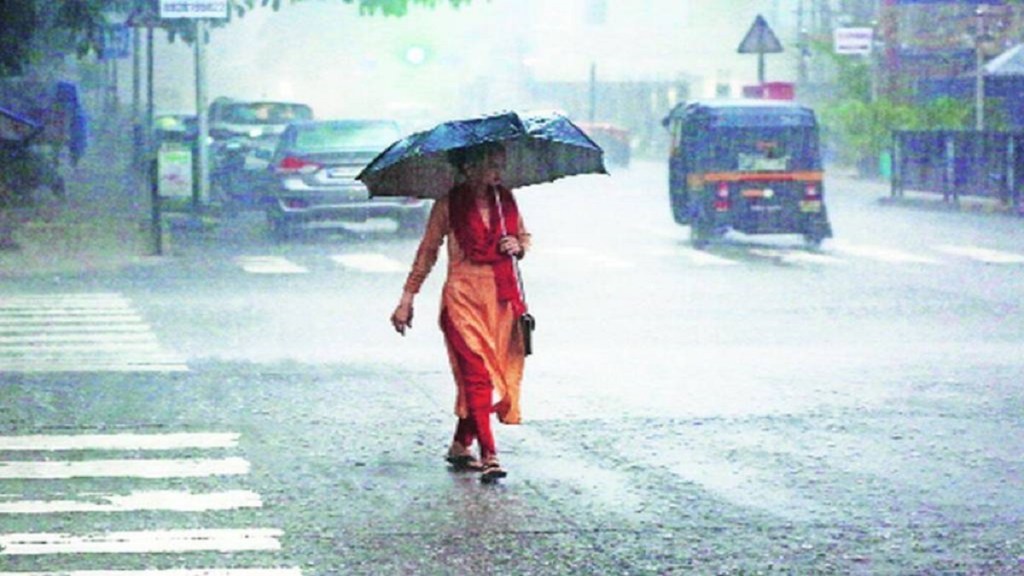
point(243, 137)
point(613, 139)
point(312, 177)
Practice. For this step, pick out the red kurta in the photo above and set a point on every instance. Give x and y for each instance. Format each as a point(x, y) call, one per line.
point(469, 298)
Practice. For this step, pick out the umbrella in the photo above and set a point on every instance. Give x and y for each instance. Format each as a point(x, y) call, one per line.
point(539, 148)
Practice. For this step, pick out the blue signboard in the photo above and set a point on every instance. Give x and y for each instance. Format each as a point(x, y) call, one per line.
point(115, 42)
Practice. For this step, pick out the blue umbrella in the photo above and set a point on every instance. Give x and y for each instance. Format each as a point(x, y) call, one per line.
point(539, 148)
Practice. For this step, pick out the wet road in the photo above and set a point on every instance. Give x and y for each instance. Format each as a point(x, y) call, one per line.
point(753, 407)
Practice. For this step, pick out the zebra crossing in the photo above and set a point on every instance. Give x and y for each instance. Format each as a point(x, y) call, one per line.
point(27, 459)
point(76, 332)
point(837, 252)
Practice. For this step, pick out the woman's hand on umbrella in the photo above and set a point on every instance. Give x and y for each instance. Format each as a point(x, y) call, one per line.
point(510, 245)
point(401, 318)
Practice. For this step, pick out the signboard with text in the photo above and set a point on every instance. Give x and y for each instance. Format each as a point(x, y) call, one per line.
point(854, 40)
point(193, 8)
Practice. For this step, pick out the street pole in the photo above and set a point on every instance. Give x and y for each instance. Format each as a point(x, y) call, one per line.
point(593, 91)
point(200, 189)
point(137, 97)
point(156, 219)
point(979, 70)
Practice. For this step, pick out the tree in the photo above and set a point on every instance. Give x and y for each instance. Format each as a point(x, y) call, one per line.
point(28, 27)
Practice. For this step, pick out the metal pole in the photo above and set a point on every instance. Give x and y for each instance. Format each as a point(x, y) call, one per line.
point(137, 97)
point(979, 72)
point(151, 152)
point(593, 91)
point(760, 69)
point(200, 190)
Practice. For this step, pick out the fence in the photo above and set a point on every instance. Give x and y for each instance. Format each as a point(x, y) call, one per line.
point(959, 163)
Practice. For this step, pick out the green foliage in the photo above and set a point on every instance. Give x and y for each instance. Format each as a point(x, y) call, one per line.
point(860, 131)
point(17, 21)
point(77, 24)
point(21, 171)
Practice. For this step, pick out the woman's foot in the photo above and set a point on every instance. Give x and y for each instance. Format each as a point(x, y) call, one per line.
point(492, 470)
point(461, 458)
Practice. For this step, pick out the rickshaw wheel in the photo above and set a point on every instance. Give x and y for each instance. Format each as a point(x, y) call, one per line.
point(813, 241)
point(700, 234)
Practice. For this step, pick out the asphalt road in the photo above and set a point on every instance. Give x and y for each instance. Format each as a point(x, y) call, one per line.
point(753, 408)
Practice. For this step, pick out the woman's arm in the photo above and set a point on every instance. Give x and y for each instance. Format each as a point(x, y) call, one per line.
point(426, 257)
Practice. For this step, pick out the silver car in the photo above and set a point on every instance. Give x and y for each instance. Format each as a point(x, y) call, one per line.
point(312, 177)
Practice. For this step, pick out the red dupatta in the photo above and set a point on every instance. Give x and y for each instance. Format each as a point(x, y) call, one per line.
point(480, 242)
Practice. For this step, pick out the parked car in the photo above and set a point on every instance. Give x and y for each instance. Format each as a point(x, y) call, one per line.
point(312, 177)
point(244, 134)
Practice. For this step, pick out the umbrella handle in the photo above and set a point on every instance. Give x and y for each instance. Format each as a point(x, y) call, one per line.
point(504, 232)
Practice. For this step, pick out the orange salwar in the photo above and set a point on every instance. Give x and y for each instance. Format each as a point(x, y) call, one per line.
point(469, 301)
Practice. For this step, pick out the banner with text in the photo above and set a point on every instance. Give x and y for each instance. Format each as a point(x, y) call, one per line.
point(193, 8)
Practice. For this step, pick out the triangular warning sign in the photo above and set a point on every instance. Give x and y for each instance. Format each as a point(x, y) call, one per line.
point(760, 39)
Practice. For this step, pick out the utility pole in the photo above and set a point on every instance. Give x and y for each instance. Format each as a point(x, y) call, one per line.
point(200, 190)
point(979, 69)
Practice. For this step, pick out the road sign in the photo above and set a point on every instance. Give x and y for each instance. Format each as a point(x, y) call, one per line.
point(193, 8)
point(115, 42)
point(760, 39)
point(853, 40)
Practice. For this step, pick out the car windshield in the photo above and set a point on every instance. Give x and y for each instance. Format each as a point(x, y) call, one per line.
point(345, 136)
point(266, 113)
point(753, 150)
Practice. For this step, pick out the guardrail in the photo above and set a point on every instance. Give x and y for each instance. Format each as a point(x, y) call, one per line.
point(958, 163)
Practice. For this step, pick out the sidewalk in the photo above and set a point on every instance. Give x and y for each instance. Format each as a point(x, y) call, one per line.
point(102, 223)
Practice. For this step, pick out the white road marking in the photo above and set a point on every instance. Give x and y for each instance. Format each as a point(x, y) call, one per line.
point(269, 265)
point(117, 367)
point(31, 347)
point(66, 300)
point(81, 320)
point(796, 256)
point(48, 327)
point(370, 262)
point(983, 254)
point(135, 468)
point(76, 332)
point(139, 337)
point(141, 542)
point(171, 572)
point(173, 500)
point(174, 441)
point(881, 253)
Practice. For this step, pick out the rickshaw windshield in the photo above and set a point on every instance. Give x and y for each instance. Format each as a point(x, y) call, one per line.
point(747, 149)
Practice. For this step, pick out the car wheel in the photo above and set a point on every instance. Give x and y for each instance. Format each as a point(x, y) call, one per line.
point(280, 230)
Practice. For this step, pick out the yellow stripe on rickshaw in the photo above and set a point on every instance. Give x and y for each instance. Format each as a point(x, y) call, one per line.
point(698, 180)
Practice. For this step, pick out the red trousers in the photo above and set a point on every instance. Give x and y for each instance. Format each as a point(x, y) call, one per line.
point(478, 390)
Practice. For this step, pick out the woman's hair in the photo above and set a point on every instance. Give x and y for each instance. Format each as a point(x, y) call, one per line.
point(462, 157)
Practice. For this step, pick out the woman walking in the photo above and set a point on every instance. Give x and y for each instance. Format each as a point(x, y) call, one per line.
point(480, 300)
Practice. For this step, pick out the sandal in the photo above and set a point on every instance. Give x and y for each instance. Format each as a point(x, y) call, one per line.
point(461, 458)
point(492, 471)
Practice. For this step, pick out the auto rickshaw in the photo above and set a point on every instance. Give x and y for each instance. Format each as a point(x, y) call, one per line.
point(749, 165)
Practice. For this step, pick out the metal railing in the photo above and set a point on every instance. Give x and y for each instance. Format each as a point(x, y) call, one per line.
point(958, 163)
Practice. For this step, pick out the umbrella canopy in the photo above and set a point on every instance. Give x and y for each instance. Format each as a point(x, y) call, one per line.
point(539, 148)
